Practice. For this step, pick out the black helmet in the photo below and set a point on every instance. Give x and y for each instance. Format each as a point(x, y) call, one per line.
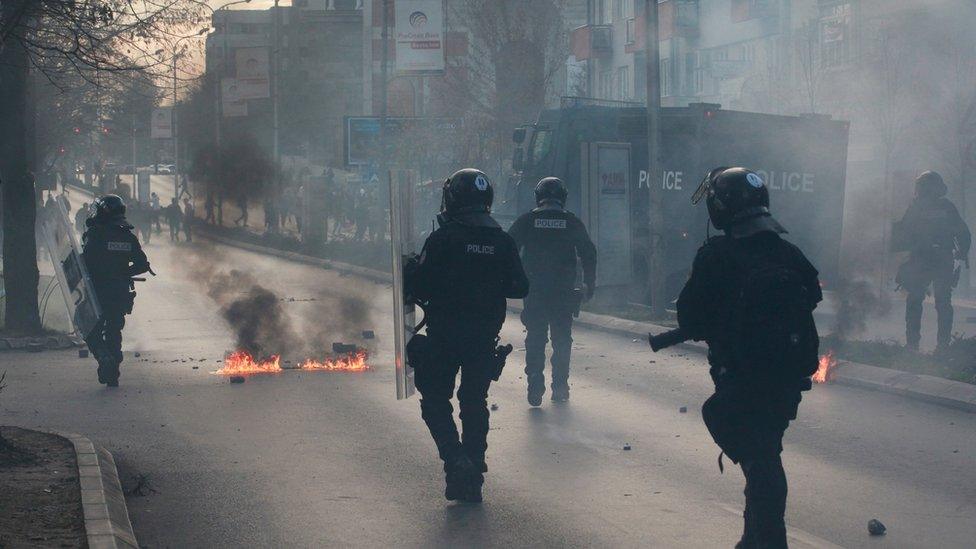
point(108, 207)
point(551, 189)
point(738, 202)
point(467, 191)
point(930, 184)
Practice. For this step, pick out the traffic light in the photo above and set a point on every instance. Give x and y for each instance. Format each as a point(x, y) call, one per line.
point(77, 130)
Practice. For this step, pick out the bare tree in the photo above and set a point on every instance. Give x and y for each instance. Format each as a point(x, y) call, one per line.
point(516, 48)
point(809, 63)
point(62, 40)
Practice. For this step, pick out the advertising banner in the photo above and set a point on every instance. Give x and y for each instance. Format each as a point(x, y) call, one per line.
point(419, 37)
point(161, 125)
point(232, 103)
point(253, 73)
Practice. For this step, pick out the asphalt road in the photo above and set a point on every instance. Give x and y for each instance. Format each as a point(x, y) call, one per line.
point(324, 459)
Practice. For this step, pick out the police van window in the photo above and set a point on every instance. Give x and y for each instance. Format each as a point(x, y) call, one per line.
point(541, 144)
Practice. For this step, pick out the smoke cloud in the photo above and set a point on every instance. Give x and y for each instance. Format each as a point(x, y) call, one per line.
point(266, 321)
point(855, 302)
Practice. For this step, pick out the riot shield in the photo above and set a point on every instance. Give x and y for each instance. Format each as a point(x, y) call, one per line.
point(69, 269)
point(402, 188)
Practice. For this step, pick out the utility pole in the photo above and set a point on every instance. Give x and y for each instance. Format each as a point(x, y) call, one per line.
point(176, 135)
point(384, 98)
point(657, 276)
point(135, 175)
point(275, 90)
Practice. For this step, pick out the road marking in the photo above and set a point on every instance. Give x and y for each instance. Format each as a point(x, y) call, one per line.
point(801, 537)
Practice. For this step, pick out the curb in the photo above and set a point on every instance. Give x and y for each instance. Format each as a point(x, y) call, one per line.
point(338, 266)
point(37, 344)
point(107, 523)
point(931, 389)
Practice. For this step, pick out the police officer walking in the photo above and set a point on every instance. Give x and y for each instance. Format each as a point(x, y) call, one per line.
point(112, 256)
point(550, 240)
point(938, 242)
point(751, 297)
point(467, 268)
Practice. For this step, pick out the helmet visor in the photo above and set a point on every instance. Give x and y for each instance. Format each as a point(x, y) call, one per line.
point(704, 189)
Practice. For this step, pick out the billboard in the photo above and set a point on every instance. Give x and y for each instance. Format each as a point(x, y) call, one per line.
point(232, 104)
point(419, 37)
point(253, 73)
point(161, 125)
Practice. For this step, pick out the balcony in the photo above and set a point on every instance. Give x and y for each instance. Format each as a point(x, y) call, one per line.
point(592, 41)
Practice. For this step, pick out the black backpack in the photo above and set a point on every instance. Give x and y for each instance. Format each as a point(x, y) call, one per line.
point(771, 321)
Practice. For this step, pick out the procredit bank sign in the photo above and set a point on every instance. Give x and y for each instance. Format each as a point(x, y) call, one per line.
point(419, 37)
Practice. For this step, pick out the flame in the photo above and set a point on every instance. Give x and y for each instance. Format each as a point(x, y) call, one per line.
point(242, 362)
point(355, 362)
point(825, 372)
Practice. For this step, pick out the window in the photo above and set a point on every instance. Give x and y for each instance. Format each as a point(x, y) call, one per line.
point(631, 30)
point(604, 12)
point(541, 144)
point(629, 8)
point(624, 91)
point(606, 85)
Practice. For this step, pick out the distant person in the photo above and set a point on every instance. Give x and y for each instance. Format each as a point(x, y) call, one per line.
point(113, 256)
point(173, 218)
point(242, 219)
point(189, 212)
point(80, 217)
point(208, 207)
point(338, 210)
point(467, 269)
point(361, 214)
point(156, 209)
point(938, 242)
point(751, 296)
point(63, 199)
point(551, 240)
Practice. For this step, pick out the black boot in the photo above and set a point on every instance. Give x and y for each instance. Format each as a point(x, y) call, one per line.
point(460, 474)
point(560, 394)
point(102, 373)
point(112, 374)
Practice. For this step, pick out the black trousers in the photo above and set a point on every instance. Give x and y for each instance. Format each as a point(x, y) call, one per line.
point(105, 343)
point(548, 316)
point(916, 275)
point(749, 428)
point(765, 492)
point(436, 382)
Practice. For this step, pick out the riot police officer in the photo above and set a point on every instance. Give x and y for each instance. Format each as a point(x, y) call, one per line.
point(112, 256)
point(467, 269)
point(751, 296)
point(550, 240)
point(936, 237)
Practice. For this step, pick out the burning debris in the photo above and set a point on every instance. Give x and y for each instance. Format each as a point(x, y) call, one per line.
point(355, 362)
point(825, 371)
point(265, 329)
point(242, 363)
